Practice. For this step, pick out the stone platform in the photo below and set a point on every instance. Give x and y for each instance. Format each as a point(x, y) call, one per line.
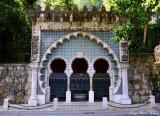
point(73, 106)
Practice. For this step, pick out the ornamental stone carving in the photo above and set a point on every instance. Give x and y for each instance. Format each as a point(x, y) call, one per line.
point(74, 19)
point(124, 57)
point(35, 30)
point(35, 45)
point(73, 26)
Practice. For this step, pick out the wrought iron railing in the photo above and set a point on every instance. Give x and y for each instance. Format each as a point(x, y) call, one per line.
point(17, 58)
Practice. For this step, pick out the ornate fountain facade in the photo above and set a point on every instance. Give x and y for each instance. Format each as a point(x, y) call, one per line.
point(73, 54)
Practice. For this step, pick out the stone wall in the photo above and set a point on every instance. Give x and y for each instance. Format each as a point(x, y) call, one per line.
point(15, 83)
point(143, 81)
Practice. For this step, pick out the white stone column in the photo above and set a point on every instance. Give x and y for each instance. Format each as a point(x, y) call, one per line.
point(91, 92)
point(68, 92)
point(124, 73)
point(91, 83)
point(33, 99)
point(68, 83)
point(112, 85)
point(47, 96)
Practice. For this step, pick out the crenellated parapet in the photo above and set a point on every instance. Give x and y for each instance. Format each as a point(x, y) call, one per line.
point(66, 19)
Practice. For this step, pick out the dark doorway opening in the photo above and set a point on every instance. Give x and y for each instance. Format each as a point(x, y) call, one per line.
point(80, 65)
point(101, 66)
point(58, 80)
point(58, 66)
point(101, 80)
point(79, 80)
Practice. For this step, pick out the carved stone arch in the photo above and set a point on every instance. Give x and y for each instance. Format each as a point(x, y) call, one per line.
point(84, 57)
point(54, 58)
point(68, 37)
point(110, 70)
point(104, 58)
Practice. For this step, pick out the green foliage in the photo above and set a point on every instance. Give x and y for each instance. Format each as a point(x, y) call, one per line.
point(135, 14)
point(15, 27)
point(71, 3)
point(88, 3)
point(137, 46)
point(121, 31)
point(153, 36)
point(53, 3)
point(27, 3)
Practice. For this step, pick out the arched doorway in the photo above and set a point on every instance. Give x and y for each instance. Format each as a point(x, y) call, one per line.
point(79, 80)
point(101, 79)
point(58, 79)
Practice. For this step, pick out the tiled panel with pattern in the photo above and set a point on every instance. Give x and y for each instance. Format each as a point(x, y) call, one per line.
point(49, 37)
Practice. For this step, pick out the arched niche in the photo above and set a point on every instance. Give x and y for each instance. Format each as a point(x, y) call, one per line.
point(101, 66)
point(79, 65)
point(91, 37)
point(58, 66)
point(101, 78)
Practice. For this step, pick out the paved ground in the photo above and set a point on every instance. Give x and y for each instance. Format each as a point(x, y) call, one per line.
point(92, 111)
point(133, 112)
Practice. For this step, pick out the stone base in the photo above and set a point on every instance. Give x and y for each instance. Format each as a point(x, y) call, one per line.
point(47, 95)
point(111, 96)
point(152, 101)
point(126, 100)
point(5, 105)
point(42, 99)
point(117, 98)
point(105, 103)
point(91, 96)
point(68, 96)
point(32, 102)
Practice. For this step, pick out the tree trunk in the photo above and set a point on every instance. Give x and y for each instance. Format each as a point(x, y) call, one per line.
point(145, 33)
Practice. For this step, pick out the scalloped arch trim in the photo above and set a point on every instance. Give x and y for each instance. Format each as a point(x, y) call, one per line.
point(103, 58)
point(55, 58)
point(68, 37)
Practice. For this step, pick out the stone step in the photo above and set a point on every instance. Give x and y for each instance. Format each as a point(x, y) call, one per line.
point(79, 103)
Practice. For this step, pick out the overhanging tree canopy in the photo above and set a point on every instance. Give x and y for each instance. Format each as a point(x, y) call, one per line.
point(137, 14)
